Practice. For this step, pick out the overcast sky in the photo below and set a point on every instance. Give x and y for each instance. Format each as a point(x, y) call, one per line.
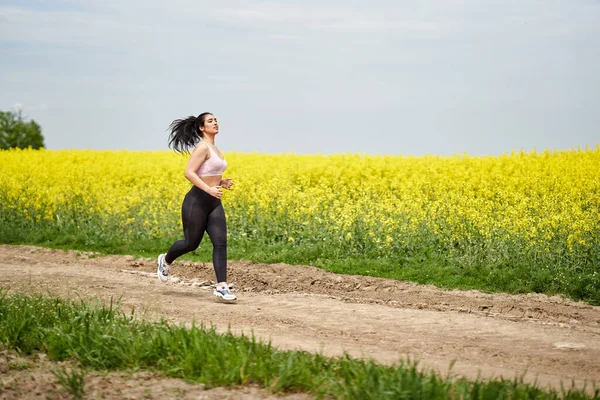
point(379, 77)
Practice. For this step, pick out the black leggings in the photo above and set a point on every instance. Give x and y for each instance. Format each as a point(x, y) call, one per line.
point(202, 212)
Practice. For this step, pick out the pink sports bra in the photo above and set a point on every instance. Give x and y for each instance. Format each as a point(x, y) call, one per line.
point(213, 166)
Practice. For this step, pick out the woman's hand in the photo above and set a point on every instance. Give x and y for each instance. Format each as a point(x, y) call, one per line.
point(227, 183)
point(215, 191)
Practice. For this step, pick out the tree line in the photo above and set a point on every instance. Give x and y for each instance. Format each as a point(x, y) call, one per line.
point(15, 132)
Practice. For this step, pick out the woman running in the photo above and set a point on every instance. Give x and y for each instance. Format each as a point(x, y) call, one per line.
point(202, 210)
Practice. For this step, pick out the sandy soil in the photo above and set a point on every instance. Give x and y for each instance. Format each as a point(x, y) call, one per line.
point(550, 340)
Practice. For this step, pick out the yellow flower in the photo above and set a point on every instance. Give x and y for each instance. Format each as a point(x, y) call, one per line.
point(545, 199)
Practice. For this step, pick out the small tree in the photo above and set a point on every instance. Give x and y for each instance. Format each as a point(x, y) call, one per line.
point(15, 132)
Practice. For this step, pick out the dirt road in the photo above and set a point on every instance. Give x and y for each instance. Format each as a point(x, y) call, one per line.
point(548, 339)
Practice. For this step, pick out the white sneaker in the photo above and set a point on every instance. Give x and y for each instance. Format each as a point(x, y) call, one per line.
point(224, 293)
point(163, 269)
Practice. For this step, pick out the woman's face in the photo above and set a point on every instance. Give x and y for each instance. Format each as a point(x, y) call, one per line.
point(211, 126)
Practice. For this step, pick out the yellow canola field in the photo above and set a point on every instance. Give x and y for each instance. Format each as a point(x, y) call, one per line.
point(540, 199)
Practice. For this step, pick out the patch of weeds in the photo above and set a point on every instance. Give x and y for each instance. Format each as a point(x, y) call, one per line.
point(179, 392)
point(19, 365)
point(72, 380)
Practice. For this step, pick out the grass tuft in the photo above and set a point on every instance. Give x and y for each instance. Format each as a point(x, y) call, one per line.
point(72, 380)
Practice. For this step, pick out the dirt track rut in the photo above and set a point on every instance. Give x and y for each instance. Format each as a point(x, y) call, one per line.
point(548, 339)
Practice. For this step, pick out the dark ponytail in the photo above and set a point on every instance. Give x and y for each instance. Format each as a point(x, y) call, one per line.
point(186, 133)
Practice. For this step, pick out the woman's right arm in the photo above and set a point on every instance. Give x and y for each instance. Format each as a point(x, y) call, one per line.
point(198, 157)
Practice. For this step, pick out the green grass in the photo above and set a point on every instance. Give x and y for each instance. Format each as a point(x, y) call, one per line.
point(72, 380)
point(101, 337)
